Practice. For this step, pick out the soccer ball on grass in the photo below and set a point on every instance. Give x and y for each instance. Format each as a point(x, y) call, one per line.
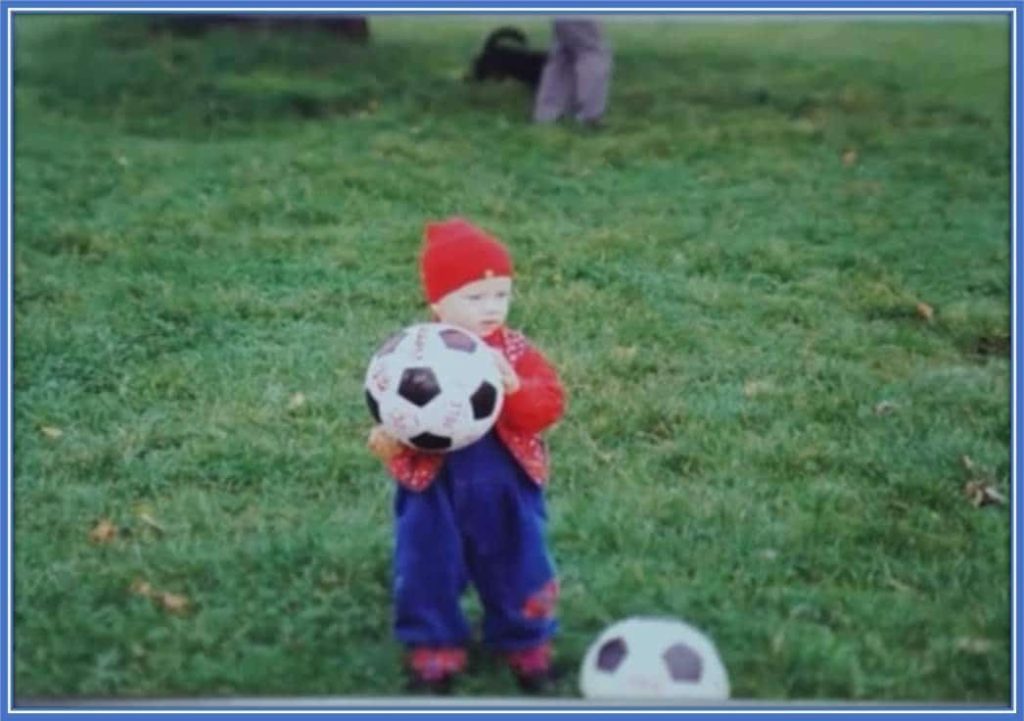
point(653, 658)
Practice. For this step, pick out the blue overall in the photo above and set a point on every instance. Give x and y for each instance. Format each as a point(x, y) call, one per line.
point(482, 520)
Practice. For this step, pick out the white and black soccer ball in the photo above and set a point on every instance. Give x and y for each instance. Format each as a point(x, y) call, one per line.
point(653, 658)
point(434, 386)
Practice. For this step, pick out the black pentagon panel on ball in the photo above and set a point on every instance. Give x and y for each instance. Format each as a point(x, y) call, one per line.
point(683, 663)
point(374, 407)
point(430, 442)
point(419, 386)
point(611, 654)
point(457, 340)
point(391, 343)
point(483, 400)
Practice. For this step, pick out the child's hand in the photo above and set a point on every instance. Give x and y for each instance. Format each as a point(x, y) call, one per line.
point(509, 377)
point(382, 444)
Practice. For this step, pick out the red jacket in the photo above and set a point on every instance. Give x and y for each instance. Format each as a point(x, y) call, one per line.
point(538, 404)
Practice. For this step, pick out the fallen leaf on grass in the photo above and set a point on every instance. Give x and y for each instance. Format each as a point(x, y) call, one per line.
point(925, 311)
point(103, 532)
point(884, 408)
point(148, 520)
point(296, 401)
point(51, 432)
point(979, 489)
point(983, 494)
point(754, 388)
point(173, 602)
point(898, 584)
point(778, 640)
point(141, 588)
point(976, 646)
point(850, 158)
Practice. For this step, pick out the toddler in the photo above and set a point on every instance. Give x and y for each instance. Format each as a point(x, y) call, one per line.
point(476, 515)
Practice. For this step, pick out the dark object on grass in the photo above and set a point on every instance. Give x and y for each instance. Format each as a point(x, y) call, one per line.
point(506, 55)
point(348, 27)
point(992, 344)
point(442, 686)
point(540, 683)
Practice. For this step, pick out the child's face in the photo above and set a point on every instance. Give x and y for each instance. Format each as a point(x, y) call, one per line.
point(480, 306)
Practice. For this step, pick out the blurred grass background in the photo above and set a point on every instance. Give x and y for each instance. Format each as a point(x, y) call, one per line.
point(766, 430)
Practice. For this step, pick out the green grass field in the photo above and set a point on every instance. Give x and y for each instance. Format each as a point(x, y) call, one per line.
point(765, 434)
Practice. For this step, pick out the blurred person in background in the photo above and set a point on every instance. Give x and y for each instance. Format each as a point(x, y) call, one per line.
point(576, 76)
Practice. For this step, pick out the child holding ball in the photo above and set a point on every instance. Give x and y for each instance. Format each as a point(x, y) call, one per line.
point(476, 515)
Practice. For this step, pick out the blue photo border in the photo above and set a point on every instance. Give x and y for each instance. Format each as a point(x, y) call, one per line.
point(304, 708)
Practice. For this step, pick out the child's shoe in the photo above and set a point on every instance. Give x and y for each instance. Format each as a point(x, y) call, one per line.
point(432, 670)
point(421, 686)
point(533, 669)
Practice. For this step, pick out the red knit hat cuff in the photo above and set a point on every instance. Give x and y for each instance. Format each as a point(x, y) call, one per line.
point(456, 252)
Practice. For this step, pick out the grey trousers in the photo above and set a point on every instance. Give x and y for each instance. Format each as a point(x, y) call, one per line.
point(576, 76)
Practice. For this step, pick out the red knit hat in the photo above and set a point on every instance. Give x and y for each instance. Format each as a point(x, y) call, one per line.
point(456, 252)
